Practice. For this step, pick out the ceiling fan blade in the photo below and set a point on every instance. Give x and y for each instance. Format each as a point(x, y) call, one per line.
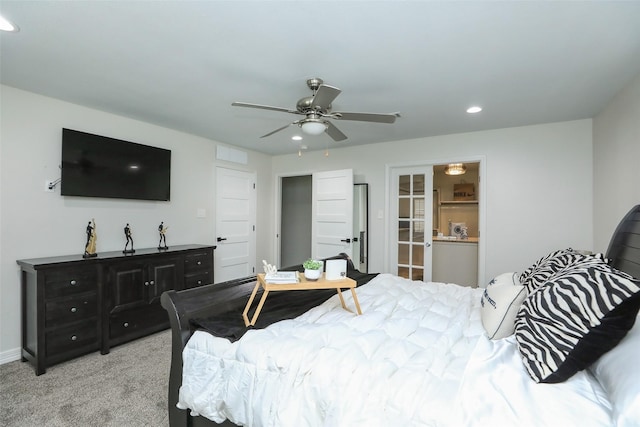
point(264, 107)
point(366, 117)
point(335, 133)
point(279, 129)
point(324, 97)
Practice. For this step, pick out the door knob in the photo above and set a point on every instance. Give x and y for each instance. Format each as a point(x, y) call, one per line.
point(220, 239)
point(427, 244)
point(347, 240)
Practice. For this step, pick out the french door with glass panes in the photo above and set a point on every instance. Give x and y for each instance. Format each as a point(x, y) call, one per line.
point(410, 222)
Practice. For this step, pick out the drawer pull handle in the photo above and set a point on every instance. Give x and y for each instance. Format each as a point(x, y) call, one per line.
point(199, 282)
point(199, 262)
point(73, 282)
point(146, 283)
point(151, 282)
point(125, 324)
point(73, 309)
point(73, 337)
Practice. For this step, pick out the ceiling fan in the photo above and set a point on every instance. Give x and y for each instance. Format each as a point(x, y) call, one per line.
point(317, 113)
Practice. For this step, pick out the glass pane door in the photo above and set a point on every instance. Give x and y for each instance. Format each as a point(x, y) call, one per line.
point(410, 215)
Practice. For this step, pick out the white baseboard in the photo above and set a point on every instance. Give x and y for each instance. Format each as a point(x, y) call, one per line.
point(10, 356)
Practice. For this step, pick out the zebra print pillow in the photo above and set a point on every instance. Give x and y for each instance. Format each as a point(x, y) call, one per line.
point(580, 314)
point(555, 262)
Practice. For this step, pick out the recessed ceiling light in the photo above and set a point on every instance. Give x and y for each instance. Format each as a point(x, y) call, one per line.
point(6, 25)
point(474, 109)
point(296, 138)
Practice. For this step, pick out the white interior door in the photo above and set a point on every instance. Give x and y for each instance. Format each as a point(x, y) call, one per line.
point(235, 224)
point(411, 222)
point(332, 213)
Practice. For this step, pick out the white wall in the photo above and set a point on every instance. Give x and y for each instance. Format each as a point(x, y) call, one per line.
point(538, 181)
point(616, 140)
point(34, 223)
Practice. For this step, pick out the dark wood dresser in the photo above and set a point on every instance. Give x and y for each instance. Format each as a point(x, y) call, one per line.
point(72, 306)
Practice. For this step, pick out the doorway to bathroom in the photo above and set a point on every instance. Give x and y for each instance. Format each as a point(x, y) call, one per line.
point(456, 231)
point(447, 197)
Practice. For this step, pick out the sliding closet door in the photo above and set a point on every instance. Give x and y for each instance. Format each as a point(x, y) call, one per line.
point(411, 222)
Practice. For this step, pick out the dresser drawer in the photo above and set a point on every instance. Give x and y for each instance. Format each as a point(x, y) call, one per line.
point(72, 338)
point(71, 309)
point(198, 262)
point(197, 279)
point(72, 281)
point(138, 322)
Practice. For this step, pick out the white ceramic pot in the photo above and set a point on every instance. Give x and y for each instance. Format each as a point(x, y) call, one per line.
point(312, 274)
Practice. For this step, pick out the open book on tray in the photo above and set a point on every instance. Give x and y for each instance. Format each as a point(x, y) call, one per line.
point(282, 277)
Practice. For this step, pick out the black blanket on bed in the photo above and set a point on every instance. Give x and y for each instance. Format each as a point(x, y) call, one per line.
point(278, 306)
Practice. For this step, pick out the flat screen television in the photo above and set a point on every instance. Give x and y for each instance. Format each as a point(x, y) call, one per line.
point(98, 166)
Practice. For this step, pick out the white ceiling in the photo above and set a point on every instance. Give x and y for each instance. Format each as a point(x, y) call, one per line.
point(180, 64)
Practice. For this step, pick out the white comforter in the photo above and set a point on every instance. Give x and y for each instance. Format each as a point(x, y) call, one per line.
point(417, 356)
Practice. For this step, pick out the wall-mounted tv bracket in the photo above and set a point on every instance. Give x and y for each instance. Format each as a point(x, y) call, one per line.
point(50, 185)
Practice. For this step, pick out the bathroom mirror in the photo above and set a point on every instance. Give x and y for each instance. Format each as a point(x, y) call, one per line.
point(360, 249)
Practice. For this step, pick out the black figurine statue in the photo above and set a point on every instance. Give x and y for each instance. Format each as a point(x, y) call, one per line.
point(127, 235)
point(163, 238)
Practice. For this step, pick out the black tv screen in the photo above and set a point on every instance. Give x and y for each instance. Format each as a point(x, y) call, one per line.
point(98, 166)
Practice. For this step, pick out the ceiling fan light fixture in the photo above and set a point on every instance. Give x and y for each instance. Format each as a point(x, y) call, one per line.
point(313, 127)
point(455, 169)
point(473, 110)
point(8, 26)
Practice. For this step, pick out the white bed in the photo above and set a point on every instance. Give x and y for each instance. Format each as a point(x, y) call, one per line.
point(545, 347)
point(418, 356)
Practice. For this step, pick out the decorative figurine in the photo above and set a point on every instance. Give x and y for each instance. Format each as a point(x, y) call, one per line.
point(127, 235)
point(268, 268)
point(92, 236)
point(163, 239)
point(464, 233)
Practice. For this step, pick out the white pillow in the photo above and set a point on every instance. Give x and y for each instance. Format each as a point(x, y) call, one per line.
point(499, 307)
point(511, 278)
point(617, 370)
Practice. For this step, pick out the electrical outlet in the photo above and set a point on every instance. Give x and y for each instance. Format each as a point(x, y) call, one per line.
point(49, 186)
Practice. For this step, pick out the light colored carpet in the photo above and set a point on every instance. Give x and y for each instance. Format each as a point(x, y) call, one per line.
point(127, 387)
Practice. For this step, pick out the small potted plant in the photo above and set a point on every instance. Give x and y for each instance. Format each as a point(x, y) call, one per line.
point(312, 269)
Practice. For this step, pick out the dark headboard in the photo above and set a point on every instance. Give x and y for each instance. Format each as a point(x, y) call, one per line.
point(624, 250)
